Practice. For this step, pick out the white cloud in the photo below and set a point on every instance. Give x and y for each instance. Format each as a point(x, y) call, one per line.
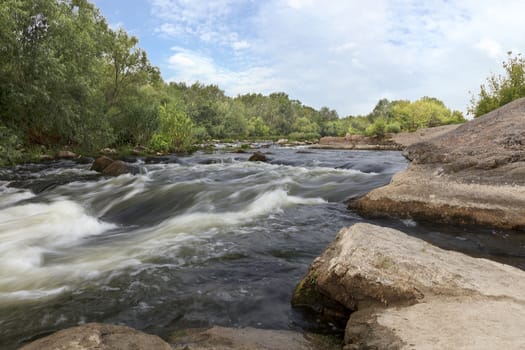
point(346, 54)
point(240, 45)
point(189, 66)
point(490, 47)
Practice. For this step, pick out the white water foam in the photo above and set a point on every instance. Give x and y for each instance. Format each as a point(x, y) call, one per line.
point(28, 232)
point(9, 195)
point(266, 203)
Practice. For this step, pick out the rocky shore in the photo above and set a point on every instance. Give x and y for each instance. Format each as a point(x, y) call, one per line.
point(404, 293)
point(473, 174)
point(99, 336)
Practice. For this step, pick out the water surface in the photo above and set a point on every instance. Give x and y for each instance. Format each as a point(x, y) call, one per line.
point(208, 239)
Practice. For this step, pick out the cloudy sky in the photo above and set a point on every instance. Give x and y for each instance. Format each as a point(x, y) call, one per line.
point(345, 54)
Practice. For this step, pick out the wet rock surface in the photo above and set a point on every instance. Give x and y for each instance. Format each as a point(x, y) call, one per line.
point(408, 294)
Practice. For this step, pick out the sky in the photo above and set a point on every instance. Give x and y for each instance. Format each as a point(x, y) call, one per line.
point(344, 54)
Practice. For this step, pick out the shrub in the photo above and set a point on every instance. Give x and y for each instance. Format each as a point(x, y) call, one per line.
point(393, 127)
point(9, 146)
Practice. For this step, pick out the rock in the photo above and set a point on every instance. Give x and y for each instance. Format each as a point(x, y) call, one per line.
point(108, 151)
point(128, 159)
point(119, 167)
point(221, 338)
point(139, 150)
point(282, 141)
point(258, 157)
point(96, 336)
point(84, 160)
point(162, 160)
point(358, 142)
point(66, 155)
point(45, 158)
point(491, 142)
point(423, 192)
point(101, 163)
point(408, 294)
point(471, 174)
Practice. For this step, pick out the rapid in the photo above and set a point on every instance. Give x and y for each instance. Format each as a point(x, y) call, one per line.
point(206, 239)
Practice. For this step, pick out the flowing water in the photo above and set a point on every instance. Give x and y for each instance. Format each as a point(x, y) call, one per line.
point(207, 239)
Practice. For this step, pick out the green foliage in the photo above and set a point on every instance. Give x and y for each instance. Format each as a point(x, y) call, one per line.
point(9, 147)
point(174, 132)
point(501, 89)
point(67, 79)
point(257, 127)
point(377, 128)
point(393, 128)
point(401, 115)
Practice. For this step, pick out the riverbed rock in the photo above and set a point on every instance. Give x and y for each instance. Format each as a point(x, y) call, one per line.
point(407, 294)
point(472, 174)
point(119, 167)
point(359, 142)
point(101, 163)
point(221, 338)
point(97, 336)
point(64, 154)
point(258, 157)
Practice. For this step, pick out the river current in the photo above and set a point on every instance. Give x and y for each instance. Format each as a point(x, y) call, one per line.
point(194, 241)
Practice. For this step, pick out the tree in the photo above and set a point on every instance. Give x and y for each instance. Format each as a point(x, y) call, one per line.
point(175, 130)
point(257, 127)
point(501, 89)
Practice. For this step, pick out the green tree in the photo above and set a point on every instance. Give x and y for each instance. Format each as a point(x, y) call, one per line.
point(257, 127)
point(175, 130)
point(501, 89)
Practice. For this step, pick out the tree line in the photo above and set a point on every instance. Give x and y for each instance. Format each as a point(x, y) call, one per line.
point(68, 80)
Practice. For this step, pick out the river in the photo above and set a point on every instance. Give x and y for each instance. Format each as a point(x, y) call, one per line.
point(206, 239)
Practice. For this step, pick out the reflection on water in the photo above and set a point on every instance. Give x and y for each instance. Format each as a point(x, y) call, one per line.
point(210, 239)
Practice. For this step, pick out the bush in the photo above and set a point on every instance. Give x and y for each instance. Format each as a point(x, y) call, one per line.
point(393, 128)
point(376, 129)
point(501, 89)
point(9, 147)
point(174, 132)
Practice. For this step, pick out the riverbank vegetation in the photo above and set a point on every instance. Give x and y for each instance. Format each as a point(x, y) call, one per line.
point(67, 80)
point(501, 89)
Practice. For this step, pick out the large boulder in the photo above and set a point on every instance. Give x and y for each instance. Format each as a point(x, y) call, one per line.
point(119, 167)
point(96, 336)
point(407, 294)
point(471, 174)
point(258, 157)
point(101, 163)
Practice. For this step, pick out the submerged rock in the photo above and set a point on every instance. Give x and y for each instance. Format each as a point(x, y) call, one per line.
point(472, 174)
point(96, 336)
point(258, 157)
point(408, 294)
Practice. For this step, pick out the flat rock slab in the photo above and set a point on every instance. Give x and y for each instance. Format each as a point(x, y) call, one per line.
point(470, 174)
point(97, 336)
point(423, 193)
point(408, 294)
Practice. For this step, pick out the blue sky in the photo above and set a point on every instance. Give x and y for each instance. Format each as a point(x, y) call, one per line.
point(344, 54)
